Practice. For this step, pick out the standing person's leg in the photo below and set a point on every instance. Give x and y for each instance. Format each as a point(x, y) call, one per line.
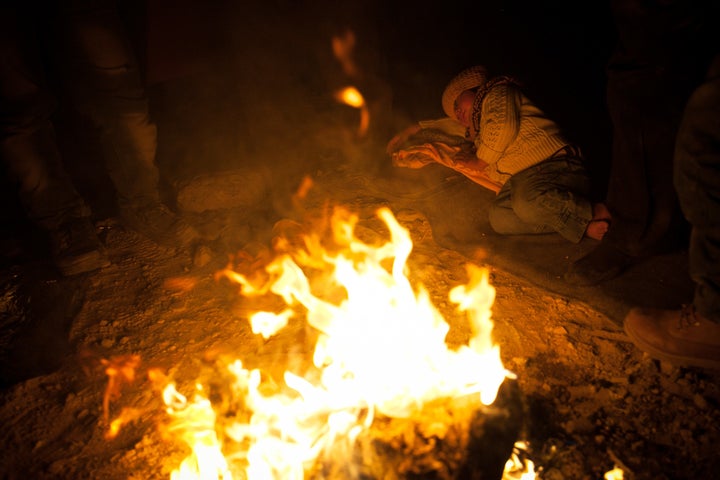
point(641, 196)
point(104, 77)
point(662, 53)
point(697, 179)
point(29, 149)
point(691, 336)
point(646, 108)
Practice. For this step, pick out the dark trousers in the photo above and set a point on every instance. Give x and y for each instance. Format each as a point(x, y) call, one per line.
point(552, 196)
point(697, 179)
point(82, 45)
point(645, 112)
point(664, 48)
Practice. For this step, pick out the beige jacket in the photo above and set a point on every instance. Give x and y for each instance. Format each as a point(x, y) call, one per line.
point(514, 133)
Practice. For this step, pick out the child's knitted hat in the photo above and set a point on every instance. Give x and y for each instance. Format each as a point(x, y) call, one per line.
point(469, 78)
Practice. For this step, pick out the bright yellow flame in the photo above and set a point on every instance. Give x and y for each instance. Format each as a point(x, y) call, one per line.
point(350, 96)
point(267, 324)
point(126, 416)
point(194, 422)
point(518, 468)
point(380, 350)
point(614, 474)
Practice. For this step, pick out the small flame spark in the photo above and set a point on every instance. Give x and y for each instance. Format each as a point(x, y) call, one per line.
point(614, 474)
point(343, 47)
point(120, 370)
point(351, 96)
point(518, 467)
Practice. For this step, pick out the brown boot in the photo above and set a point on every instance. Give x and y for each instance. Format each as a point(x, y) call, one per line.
point(76, 248)
point(681, 337)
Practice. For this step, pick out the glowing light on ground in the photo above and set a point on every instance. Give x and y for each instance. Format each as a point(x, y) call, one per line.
point(380, 350)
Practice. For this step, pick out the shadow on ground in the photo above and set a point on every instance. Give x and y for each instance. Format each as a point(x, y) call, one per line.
point(457, 210)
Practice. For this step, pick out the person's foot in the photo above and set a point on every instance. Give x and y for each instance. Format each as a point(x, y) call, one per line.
point(161, 225)
point(600, 222)
point(680, 337)
point(76, 248)
point(600, 265)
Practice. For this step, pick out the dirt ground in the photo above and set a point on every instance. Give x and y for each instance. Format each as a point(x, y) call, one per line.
point(593, 401)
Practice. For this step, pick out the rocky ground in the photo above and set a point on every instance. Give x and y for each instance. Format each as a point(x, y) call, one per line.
point(593, 401)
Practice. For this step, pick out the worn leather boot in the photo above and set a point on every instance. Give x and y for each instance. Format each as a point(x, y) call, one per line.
point(680, 337)
point(75, 247)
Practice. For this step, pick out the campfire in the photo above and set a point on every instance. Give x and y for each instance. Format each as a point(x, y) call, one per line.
point(383, 396)
point(377, 393)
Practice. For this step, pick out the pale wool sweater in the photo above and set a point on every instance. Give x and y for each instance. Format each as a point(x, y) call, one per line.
point(514, 133)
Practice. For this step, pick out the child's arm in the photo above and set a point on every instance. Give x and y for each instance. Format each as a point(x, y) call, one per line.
point(398, 140)
point(470, 161)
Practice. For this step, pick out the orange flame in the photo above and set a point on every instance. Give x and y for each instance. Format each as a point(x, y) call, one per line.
point(120, 370)
point(194, 423)
point(126, 416)
point(517, 467)
point(380, 349)
point(615, 474)
point(342, 47)
point(351, 96)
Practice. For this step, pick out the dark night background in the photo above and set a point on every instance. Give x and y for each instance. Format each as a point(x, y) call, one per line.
point(237, 84)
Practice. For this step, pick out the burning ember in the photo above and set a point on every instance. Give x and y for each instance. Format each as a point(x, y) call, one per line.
point(351, 96)
point(384, 392)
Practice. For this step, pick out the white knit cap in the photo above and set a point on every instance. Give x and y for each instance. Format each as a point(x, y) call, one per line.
point(469, 78)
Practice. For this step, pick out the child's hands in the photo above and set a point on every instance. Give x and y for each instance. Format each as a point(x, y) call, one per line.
point(414, 157)
point(395, 143)
point(469, 160)
point(464, 157)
